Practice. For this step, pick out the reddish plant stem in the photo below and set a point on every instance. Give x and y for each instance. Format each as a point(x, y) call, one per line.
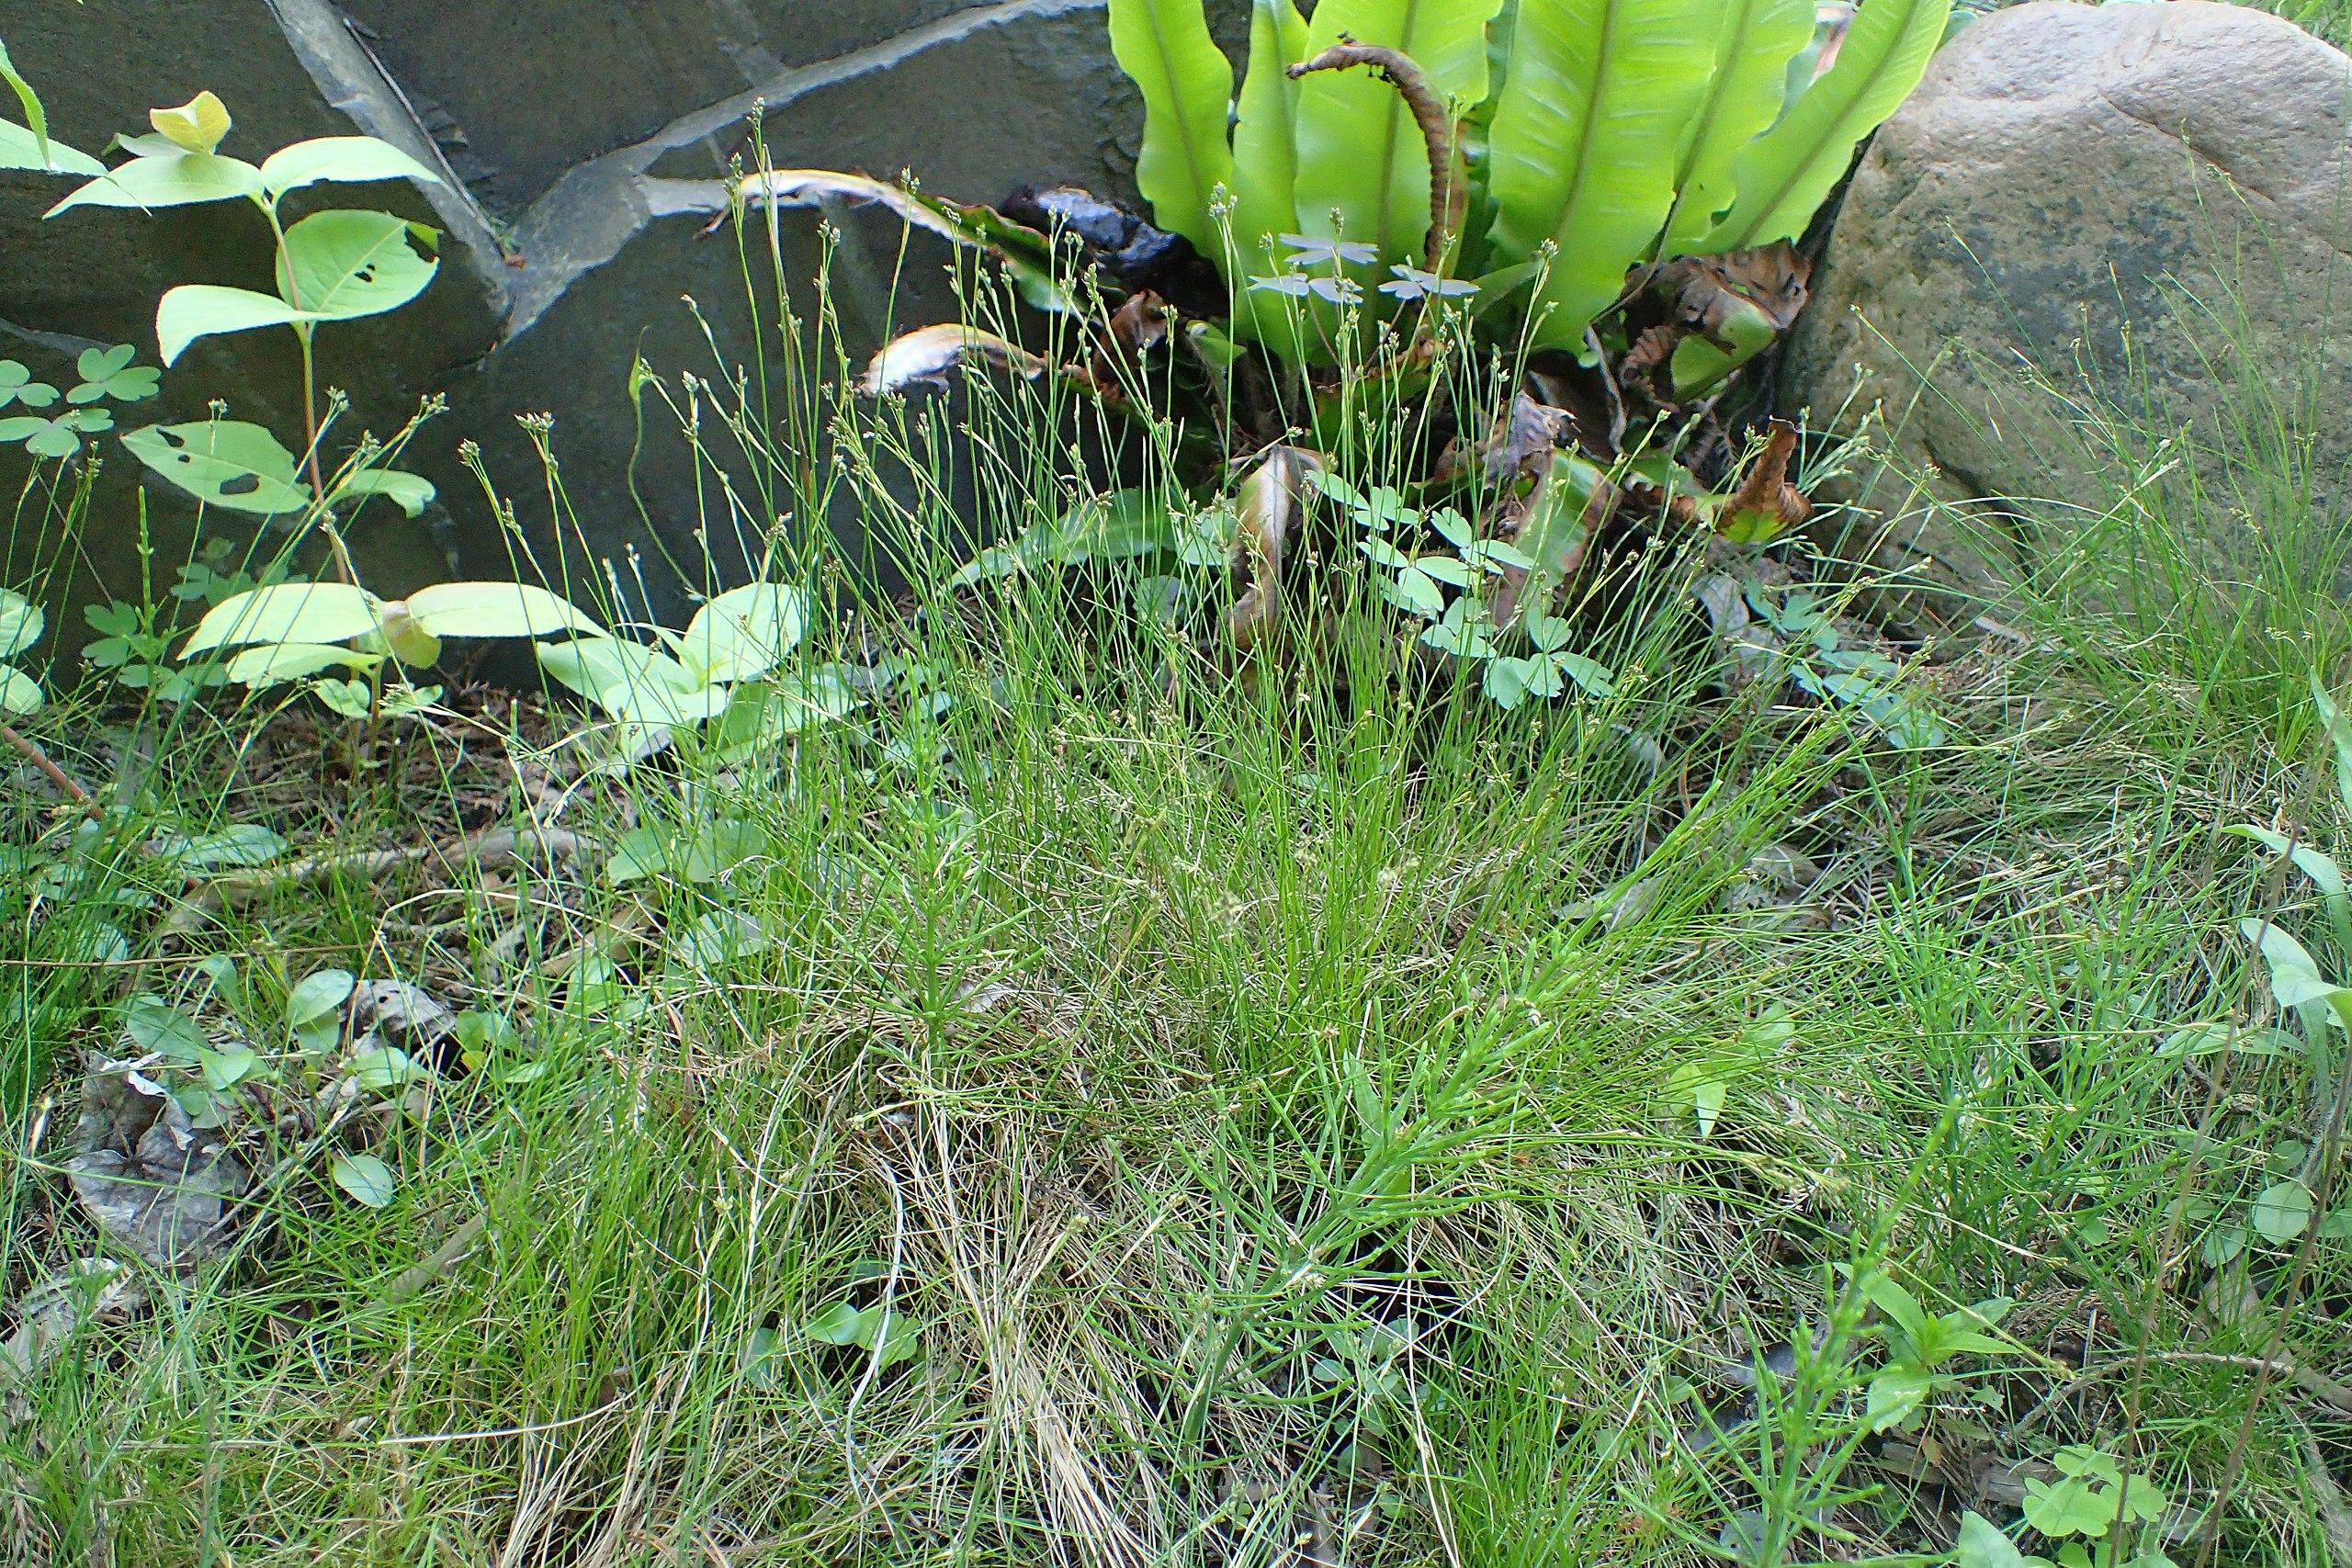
point(1398, 70)
point(30, 751)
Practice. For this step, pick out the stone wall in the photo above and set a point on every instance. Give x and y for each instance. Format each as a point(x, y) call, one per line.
point(586, 142)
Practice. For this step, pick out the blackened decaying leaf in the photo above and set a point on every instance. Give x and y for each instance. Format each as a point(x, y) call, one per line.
point(1589, 394)
point(1130, 252)
point(1270, 500)
point(152, 1179)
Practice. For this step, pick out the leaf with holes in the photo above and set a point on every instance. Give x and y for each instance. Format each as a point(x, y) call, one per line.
point(222, 463)
point(339, 265)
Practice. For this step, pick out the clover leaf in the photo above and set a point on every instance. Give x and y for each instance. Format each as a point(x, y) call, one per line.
point(108, 373)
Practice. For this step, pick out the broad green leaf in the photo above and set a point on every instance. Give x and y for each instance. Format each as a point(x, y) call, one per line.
point(21, 621)
point(2325, 873)
point(385, 1066)
point(36, 125)
point(1982, 1545)
point(1896, 1395)
point(222, 462)
point(1754, 43)
point(1584, 141)
point(206, 309)
point(275, 664)
point(317, 995)
point(167, 179)
point(341, 264)
point(288, 611)
point(348, 160)
point(2282, 1211)
point(369, 1179)
point(1265, 168)
point(496, 609)
point(2295, 979)
point(197, 126)
point(630, 682)
point(1700, 365)
point(353, 699)
point(410, 492)
point(1360, 151)
point(1780, 179)
point(225, 1070)
point(19, 693)
point(837, 1325)
point(743, 632)
point(156, 1026)
point(21, 149)
point(1187, 87)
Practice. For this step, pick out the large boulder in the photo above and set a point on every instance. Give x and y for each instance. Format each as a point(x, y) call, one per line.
point(2087, 220)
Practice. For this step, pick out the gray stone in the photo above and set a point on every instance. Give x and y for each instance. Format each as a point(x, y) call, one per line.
point(608, 250)
point(584, 147)
point(2120, 208)
point(520, 91)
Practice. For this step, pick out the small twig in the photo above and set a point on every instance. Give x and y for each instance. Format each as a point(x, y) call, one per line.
point(413, 1279)
point(30, 751)
point(1447, 197)
point(485, 851)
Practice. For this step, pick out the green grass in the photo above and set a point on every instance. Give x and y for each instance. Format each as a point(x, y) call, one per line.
point(1268, 1108)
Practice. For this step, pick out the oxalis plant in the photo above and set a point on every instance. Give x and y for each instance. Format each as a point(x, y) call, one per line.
point(1591, 201)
